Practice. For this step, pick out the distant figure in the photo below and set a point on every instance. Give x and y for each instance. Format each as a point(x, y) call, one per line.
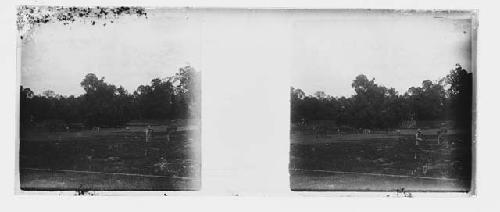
point(419, 137)
point(127, 128)
point(67, 128)
point(89, 159)
point(441, 133)
point(425, 168)
point(302, 122)
point(398, 132)
point(320, 131)
point(149, 133)
point(315, 130)
point(170, 130)
point(97, 129)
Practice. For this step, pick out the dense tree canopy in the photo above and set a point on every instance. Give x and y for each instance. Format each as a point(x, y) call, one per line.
point(460, 95)
point(376, 106)
point(178, 97)
point(104, 104)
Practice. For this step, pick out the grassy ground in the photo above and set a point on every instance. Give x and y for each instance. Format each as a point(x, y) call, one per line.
point(351, 181)
point(379, 162)
point(112, 159)
point(57, 180)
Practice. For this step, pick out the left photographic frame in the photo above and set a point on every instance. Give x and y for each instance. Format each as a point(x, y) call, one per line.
point(109, 99)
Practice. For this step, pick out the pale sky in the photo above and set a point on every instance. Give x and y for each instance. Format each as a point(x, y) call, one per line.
point(129, 52)
point(399, 51)
point(322, 50)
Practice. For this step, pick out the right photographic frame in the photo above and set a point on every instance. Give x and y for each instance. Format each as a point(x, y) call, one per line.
point(383, 100)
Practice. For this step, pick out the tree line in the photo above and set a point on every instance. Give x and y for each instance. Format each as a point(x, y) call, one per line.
point(104, 104)
point(375, 106)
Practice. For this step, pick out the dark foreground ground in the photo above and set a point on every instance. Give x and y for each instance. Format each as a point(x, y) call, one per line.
point(380, 163)
point(114, 159)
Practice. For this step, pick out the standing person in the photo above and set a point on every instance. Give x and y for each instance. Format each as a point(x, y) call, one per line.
point(170, 129)
point(398, 132)
point(167, 129)
point(439, 135)
point(302, 122)
point(419, 137)
point(149, 133)
point(442, 133)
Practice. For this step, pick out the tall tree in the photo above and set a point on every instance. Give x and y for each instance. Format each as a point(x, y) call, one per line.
point(188, 91)
point(368, 102)
point(156, 101)
point(98, 102)
point(461, 96)
point(429, 101)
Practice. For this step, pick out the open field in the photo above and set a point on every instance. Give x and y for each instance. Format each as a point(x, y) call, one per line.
point(318, 180)
point(111, 159)
point(379, 162)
